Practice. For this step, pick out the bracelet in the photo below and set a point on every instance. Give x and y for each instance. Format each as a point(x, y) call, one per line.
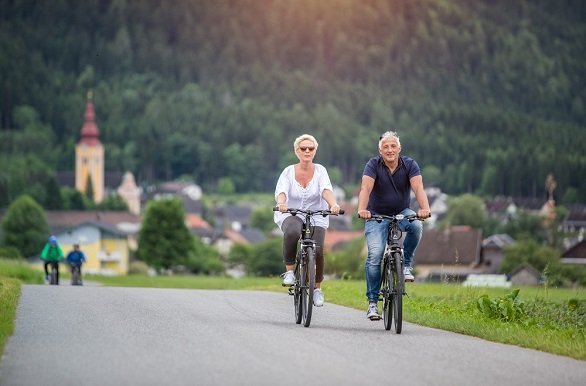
point(336, 204)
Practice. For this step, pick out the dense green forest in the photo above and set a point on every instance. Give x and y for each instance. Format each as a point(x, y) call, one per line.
point(488, 95)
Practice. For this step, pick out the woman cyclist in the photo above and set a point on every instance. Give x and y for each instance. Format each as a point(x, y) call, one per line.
point(304, 185)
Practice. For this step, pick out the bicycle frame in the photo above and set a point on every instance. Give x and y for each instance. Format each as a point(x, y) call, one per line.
point(392, 275)
point(304, 274)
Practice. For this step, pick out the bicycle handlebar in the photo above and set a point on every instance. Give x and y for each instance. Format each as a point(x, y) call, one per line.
point(397, 217)
point(323, 212)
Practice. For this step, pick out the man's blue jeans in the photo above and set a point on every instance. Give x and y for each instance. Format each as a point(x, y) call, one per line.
point(376, 240)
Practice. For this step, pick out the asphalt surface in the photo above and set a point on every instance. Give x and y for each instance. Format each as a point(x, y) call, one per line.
point(94, 335)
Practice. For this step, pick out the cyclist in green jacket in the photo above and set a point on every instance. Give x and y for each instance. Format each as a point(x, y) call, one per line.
point(52, 254)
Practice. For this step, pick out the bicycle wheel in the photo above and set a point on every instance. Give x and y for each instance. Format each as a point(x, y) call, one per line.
point(398, 286)
point(75, 280)
point(53, 278)
point(297, 294)
point(386, 292)
point(309, 286)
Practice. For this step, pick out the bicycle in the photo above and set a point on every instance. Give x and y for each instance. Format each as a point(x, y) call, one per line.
point(392, 275)
point(54, 275)
point(76, 274)
point(304, 271)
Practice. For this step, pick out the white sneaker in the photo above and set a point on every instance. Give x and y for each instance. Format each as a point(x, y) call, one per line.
point(372, 312)
point(288, 278)
point(407, 272)
point(318, 297)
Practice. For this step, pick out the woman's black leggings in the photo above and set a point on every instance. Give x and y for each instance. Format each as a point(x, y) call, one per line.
point(291, 233)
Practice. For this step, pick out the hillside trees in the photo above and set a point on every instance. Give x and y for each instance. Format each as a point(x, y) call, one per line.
point(471, 87)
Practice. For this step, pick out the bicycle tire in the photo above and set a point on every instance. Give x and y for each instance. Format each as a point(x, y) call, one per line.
point(310, 286)
point(297, 294)
point(75, 277)
point(53, 278)
point(386, 291)
point(398, 286)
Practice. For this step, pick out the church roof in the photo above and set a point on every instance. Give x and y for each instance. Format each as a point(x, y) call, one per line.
point(90, 134)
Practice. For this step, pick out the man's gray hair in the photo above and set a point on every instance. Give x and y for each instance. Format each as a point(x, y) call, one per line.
point(387, 135)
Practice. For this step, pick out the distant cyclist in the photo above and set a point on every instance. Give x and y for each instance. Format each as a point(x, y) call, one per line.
point(51, 254)
point(75, 259)
point(387, 182)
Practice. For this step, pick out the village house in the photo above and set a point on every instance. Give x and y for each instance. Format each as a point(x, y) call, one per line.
point(448, 254)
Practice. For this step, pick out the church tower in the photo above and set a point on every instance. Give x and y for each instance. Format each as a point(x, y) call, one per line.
point(89, 155)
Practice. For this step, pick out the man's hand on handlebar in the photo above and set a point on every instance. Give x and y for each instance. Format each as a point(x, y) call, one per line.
point(364, 214)
point(424, 213)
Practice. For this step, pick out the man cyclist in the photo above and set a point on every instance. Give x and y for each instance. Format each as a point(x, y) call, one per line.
point(51, 254)
point(75, 259)
point(387, 182)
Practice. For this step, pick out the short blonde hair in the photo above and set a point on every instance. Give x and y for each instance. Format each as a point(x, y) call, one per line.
point(304, 137)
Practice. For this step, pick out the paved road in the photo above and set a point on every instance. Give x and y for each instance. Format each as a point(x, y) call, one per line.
point(136, 336)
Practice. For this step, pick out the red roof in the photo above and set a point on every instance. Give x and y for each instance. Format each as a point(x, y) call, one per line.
point(334, 237)
point(89, 132)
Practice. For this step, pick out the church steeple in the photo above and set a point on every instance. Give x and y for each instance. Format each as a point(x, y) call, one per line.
point(89, 154)
point(90, 134)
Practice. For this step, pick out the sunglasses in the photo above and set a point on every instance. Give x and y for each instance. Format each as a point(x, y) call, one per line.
point(310, 148)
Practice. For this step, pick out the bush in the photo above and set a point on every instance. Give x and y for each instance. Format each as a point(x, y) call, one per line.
point(266, 258)
point(507, 309)
point(10, 253)
point(138, 268)
point(347, 263)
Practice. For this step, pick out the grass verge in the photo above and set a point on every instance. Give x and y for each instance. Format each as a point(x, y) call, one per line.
point(9, 295)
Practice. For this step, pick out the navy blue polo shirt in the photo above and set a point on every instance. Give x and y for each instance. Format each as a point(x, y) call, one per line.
point(391, 193)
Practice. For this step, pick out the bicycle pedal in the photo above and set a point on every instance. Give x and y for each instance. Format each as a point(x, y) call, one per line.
point(291, 291)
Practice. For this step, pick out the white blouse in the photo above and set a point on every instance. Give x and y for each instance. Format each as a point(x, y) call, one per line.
point(299, 197)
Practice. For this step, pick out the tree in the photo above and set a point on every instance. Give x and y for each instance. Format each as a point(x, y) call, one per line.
point(113, 202)
point(53, 199)
point(25, 226)
point(526, 226)
point(262, 218)
point(265, 258)
point(164, 240)
point(72, 199)
point(226, 186)
point(466, 210)
point(204, 259)
point(528, 252)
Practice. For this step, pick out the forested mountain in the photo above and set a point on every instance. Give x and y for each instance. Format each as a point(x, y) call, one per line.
point(488, 95)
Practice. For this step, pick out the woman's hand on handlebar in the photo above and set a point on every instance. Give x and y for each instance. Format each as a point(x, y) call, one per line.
point(282, 207)
point(335, 209)
point(364, 214)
